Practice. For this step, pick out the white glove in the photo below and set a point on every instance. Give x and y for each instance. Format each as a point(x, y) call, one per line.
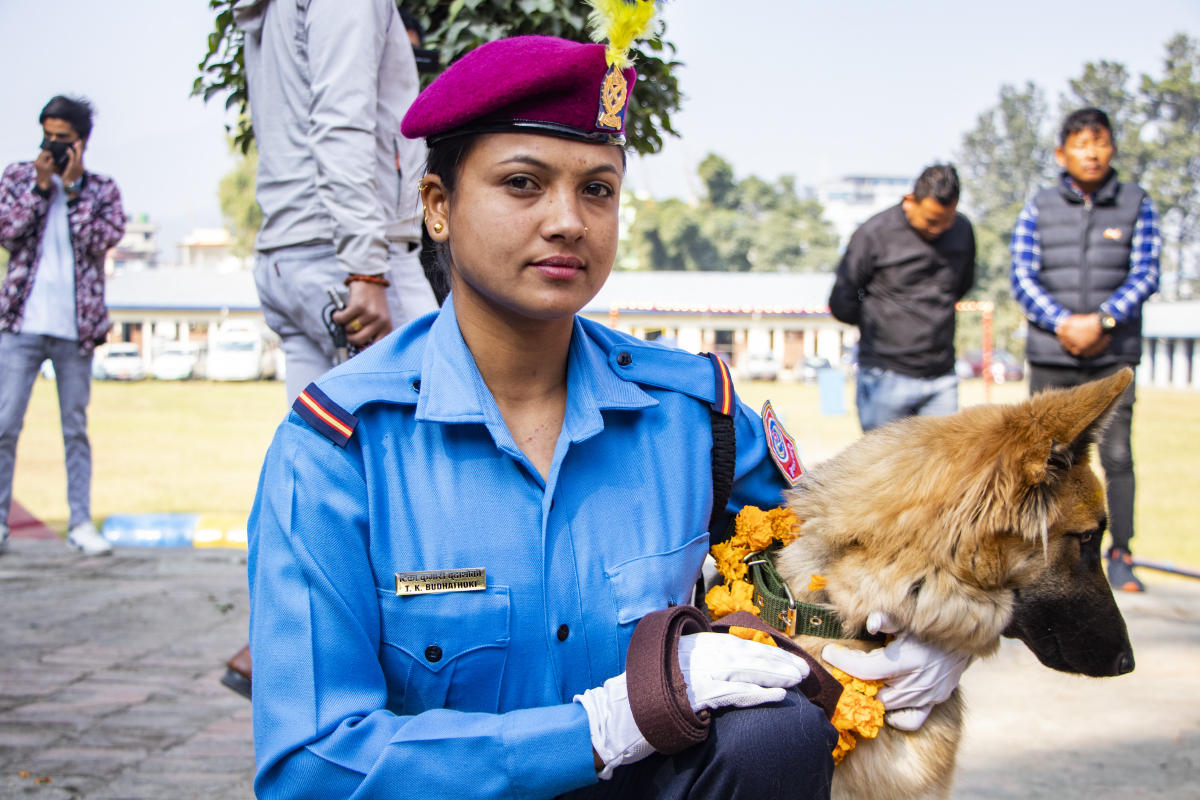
point(917, 675)
point(615, 736)
point(723, 670)
point(719, 670)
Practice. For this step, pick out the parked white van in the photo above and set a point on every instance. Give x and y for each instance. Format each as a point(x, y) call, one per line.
point(241, 352)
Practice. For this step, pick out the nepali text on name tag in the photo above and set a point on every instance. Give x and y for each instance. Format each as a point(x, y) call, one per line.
point(441, 580)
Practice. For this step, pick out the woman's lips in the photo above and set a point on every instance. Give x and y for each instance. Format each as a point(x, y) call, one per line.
point(559, 266)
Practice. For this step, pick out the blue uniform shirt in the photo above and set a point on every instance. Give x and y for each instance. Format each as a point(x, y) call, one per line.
point(361, 693)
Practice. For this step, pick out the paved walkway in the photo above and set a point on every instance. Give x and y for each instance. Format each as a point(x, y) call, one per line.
point(109, 668)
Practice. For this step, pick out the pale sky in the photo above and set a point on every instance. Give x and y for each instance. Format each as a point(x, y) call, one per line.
point(775, 86)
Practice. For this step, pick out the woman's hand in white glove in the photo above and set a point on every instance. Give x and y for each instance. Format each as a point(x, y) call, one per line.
point(917, 676)
point(719, 669)
point(723, 670)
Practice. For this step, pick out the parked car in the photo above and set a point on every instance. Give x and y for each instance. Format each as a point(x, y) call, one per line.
point(180, 361)
point(810, 365)
point(1005, 366)
point(123, 362)
point(241, 353)
point(760, 367)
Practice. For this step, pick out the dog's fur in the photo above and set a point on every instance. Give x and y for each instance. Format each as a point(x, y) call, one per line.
point(963, 529)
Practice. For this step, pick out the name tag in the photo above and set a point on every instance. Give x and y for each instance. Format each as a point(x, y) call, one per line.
point(441, 580)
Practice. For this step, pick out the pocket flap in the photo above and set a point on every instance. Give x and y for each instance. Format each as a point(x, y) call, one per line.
point(454, 623)
point(651, 583)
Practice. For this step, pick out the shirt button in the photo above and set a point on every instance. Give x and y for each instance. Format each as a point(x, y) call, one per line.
point(563, 633)
point(433, 654)
point(624, 359)
point(417, 386)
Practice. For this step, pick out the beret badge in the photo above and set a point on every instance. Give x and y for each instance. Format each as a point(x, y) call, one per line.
point(621, 22)
point(613, 94)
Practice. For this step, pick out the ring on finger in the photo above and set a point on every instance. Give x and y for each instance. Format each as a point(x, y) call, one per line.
point(354, 326)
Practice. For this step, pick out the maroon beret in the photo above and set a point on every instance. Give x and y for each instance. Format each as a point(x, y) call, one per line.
point(537, 84)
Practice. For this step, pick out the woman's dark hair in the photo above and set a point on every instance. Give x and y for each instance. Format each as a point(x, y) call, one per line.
point(1092, 119)
point(75, 111)
point(445, 160)
point(939, 182)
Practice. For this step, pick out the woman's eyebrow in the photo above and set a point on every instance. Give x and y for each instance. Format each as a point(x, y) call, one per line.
point(539, 164)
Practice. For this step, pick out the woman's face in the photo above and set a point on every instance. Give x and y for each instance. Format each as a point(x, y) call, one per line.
point(532, 225)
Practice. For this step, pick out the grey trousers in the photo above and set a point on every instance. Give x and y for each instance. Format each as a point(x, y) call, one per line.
point(21, 356)
point(292, 283)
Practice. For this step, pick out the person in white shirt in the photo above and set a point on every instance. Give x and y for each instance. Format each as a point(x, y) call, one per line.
point(57, 220)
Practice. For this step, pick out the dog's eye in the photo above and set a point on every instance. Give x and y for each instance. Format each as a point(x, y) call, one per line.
point(1085, 538)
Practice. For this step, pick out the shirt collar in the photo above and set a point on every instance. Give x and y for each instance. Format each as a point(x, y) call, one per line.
point(452, 390)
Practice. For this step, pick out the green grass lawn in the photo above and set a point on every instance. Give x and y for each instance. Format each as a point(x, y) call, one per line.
point(198, 446)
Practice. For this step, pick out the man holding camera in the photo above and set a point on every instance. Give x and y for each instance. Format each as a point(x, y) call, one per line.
point(57, 220)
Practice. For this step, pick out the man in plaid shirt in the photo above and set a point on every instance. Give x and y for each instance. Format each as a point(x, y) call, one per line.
point(1085, 258)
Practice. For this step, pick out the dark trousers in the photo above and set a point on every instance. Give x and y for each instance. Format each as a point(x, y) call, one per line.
point(1116, 455)
point(769, 752)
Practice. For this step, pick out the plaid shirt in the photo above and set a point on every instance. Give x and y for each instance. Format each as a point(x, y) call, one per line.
point(1041, 307)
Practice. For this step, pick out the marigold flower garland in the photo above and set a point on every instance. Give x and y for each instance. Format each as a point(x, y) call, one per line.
point(857, 712)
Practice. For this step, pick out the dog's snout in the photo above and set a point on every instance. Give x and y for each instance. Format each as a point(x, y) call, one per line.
point(1124, 664)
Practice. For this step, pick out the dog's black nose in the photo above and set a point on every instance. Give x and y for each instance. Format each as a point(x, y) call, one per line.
point(1124, 663)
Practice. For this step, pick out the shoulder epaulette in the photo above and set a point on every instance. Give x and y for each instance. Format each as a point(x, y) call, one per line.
point(723, 404)
point(325, 416)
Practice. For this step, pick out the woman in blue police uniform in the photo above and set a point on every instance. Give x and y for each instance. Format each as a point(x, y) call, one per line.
point(556, 474)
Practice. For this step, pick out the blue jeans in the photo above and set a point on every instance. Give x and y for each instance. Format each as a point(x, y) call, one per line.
point(21, 356)
point(777, 751)
point(885, 396)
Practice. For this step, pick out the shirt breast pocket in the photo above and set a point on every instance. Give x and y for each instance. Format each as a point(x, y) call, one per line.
point(444, 650)
point(651, 583)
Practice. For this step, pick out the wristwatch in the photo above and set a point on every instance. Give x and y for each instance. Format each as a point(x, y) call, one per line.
point(75, 186)
point(1107, 321)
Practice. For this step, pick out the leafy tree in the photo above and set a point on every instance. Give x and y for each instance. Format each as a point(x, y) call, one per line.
point(1002, 161)
point(242, 215)
point(740, 226)
point(1173, 110)
point(455, 27)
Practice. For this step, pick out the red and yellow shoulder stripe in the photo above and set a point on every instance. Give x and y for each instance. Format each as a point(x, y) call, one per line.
point(723, 404)
point(325, 416)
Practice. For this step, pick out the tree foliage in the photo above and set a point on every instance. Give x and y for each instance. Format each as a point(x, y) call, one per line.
point(242, 215)
point(455, 27)
point(740, 226)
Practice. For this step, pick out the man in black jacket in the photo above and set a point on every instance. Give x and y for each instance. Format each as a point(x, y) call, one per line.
point(902, 273)
point(1085, 258)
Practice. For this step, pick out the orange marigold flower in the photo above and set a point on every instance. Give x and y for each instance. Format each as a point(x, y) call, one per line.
point(724, 600)
point(730, 560)
point(754, 529)
point(751, 635)
point(857, 712)
point(817, 582)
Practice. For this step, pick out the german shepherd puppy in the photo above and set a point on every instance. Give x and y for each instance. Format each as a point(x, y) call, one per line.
point(963, 529)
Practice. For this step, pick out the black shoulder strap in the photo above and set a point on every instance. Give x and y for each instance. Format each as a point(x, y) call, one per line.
point(724, 451)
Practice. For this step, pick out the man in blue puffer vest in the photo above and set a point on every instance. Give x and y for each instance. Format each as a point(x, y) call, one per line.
point(1085, 258)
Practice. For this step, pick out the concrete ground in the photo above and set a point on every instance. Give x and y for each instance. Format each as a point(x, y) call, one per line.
point(109, 669)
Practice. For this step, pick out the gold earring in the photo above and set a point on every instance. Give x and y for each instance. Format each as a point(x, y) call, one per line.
point(437, 227)
point(585, 231)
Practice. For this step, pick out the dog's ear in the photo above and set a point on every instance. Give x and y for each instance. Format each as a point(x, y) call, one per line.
point(1060, 426)
point(1074, 419)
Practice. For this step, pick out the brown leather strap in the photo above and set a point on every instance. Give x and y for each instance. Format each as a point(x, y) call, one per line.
point(657, 690)
point(821, 688)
